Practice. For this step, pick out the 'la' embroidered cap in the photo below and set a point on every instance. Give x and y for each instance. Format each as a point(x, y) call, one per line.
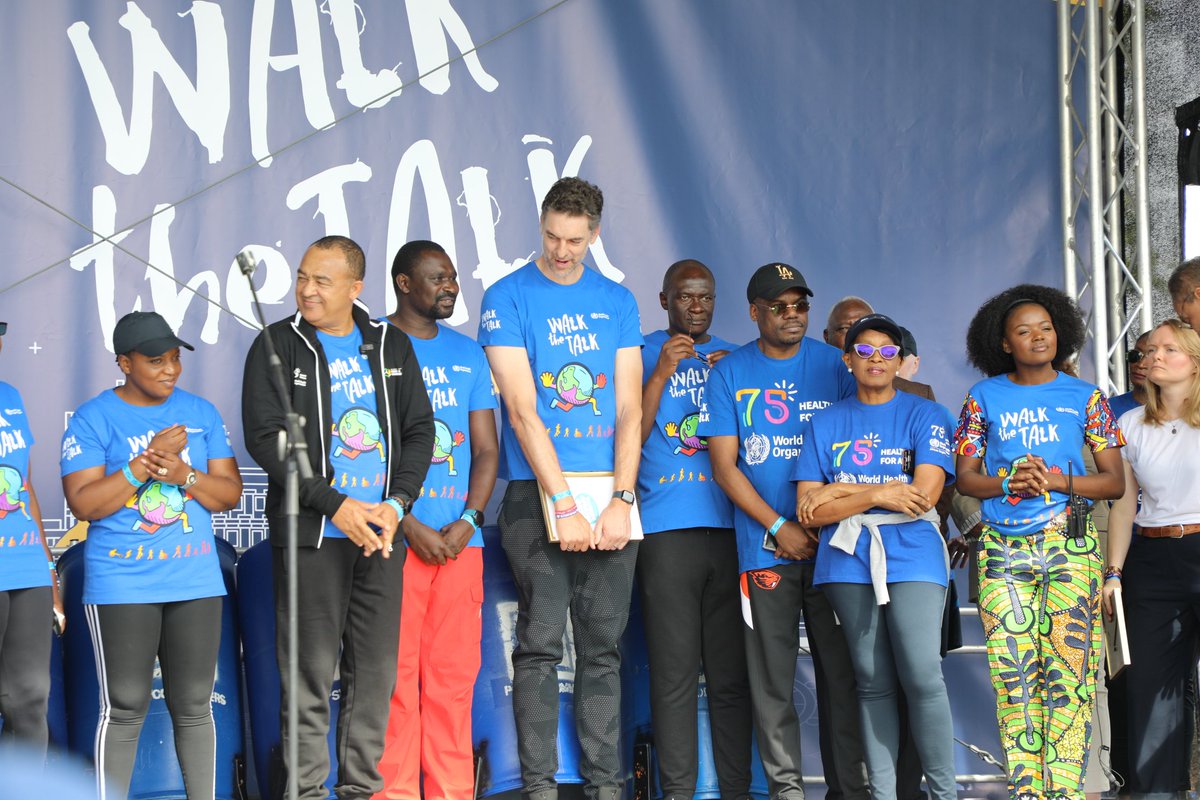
point(874, 322)
point(771, 280)
point(145, 332)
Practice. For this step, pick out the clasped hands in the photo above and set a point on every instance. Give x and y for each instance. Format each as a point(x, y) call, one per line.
point(161, 457)
point(1029, 477)
point(611, 532)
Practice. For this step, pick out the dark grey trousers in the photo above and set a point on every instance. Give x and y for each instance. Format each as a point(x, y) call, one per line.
point(778, 596)
point(25, 665)
point(348, 605)
point(594, 588)
point(688, 582)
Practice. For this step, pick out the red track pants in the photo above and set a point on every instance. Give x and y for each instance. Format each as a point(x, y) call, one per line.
point(429, 728)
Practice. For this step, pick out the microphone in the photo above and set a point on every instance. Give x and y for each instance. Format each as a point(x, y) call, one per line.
point(246, 262)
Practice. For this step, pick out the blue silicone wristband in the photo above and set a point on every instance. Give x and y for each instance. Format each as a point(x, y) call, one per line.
point(128, 473)
point(470, 519)
point(774, 529)
point(563, 495)
point(396, 505)
point(1004, 485)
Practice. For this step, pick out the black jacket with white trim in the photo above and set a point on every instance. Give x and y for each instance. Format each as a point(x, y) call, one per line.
point(402, 405)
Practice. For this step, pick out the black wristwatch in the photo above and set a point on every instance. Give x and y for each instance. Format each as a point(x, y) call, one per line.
point(476, 515)
point(625, 496)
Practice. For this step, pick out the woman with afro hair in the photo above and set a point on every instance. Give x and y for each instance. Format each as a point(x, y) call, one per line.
point(1019, 447)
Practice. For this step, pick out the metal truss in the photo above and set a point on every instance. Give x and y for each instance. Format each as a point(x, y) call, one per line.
point(1105, 198)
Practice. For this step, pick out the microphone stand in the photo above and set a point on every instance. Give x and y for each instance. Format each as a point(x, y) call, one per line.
point(293, 449)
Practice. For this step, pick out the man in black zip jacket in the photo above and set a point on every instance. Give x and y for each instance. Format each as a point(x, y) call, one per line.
point(369, 434)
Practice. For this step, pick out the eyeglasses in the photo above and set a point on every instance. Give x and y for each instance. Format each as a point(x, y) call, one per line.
point(887, 351)
point(778, 309)
point(3, 328)
point(1134, 356)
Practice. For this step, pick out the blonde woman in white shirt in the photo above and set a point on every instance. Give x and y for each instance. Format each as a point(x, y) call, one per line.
point(1159, 570)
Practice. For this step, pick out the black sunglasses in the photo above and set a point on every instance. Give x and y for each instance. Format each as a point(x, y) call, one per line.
point(3, 328)
point(1134, 356)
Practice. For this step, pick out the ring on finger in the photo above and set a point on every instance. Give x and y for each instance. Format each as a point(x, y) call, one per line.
point(162, 470)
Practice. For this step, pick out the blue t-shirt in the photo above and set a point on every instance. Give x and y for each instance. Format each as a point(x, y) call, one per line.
point(1122, 403)
point(157, 548)
point(1001, 422)
point(458, 381)
point(22, 559)
point(571, 335)
point(357, 451)
point(765, 402)
point(675, 481)
point(851, 442)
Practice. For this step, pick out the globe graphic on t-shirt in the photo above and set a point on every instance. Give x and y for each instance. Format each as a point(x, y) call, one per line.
point(575, 384)
point(688, 432)
point(10, 489)
point(161, 504)
point(359, 430)
point(443, 441)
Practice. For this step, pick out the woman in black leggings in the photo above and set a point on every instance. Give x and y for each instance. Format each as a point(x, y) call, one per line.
point(28, 587)
point(147, 465)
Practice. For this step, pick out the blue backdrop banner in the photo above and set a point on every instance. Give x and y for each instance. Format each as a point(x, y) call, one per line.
point(904, 152)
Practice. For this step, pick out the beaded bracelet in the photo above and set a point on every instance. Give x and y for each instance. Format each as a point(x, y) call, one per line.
point(1113, 574)
point(568, 512)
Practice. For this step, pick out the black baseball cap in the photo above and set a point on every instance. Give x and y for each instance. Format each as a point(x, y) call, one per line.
point(908, 341)
point(145, 332)
point(873, 322)
point(771, 280)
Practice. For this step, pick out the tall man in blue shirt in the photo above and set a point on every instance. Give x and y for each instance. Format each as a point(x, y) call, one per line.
point(687, 566)
point(755, 403)
point(564, 343)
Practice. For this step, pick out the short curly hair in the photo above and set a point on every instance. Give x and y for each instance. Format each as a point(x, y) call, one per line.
point(575, 197)
point(987, 327)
